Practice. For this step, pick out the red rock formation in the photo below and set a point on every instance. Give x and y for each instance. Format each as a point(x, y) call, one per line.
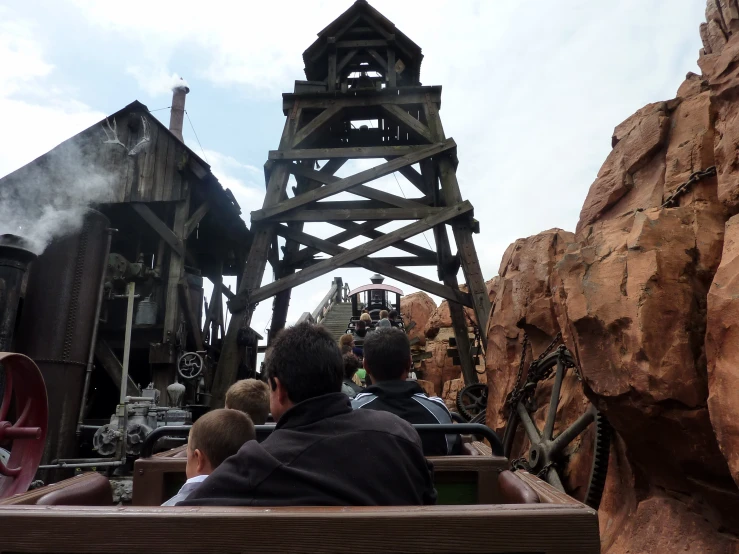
point(417, 308)
point(722, 349)
point(659, 354)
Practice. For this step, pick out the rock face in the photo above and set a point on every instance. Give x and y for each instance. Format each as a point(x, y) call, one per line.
point(646, 296)
point(417, 308)
point(722, 349)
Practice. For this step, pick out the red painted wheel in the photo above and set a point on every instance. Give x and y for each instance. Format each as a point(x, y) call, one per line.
point(24, 416)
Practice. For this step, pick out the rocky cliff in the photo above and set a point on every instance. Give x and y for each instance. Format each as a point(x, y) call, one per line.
point(646, 296)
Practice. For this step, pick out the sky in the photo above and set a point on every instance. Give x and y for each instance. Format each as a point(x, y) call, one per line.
point(531, 91)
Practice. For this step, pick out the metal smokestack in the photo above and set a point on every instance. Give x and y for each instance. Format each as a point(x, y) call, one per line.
point(177, 113)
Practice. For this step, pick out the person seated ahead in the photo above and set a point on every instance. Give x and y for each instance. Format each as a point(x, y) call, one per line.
point(392, 317)
point(387, 359)
point(384, 321)
point(321, 453)
point(213, 437)
point(250, 396)
point(349, 386)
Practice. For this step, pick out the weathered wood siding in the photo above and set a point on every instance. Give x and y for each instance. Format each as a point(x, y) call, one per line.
point(152, 175)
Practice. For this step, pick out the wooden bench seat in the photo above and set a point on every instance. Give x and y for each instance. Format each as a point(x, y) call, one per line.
point(557, 527)
point(458, 479)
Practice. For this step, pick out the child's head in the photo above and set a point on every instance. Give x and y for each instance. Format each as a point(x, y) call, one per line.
point(250, 396)
point(214, 437)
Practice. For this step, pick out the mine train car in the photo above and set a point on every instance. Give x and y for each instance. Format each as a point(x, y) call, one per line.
point(374, 298)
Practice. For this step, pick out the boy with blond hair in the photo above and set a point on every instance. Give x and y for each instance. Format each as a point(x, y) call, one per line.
point(215, 436)
point(251, 396)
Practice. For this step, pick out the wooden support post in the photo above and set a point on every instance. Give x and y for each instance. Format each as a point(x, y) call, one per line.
point(462, 230)
point(281, 302)
point(192, 321)
point(456, 310)
point(331, 80)
point(392, 76)
point(163, 376)
point(228, 363)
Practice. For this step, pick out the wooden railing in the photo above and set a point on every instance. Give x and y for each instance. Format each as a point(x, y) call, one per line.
point(339, 292)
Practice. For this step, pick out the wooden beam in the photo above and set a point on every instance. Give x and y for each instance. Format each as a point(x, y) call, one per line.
point(316, 123)
point(348, 256)
point(359, 190)
point(416, 128)
point(353, 230)
point(404, 96)
point(405, 246)
point(356, 179)
point(113, 367)
point(373, 43)
point(160, 227)
point(389, 214)
point(379, 59)
point(190, 315)
point(352, 153)
point(378, 265)
point(345, 60)
point(415, 178)
point(398, 261)
point(195, 218)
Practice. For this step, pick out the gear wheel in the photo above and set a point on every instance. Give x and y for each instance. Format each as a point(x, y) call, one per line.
point(472, 400)
point(545, 454)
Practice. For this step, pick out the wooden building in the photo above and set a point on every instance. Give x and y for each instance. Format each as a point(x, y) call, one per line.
point(175, 225)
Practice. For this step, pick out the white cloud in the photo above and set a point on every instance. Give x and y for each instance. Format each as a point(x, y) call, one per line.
point(37, 114)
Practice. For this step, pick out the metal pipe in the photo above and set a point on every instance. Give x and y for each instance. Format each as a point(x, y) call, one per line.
point(64, 464)
point(138, 399)
point(127, 342)
point(95, 326)
point(263, 431)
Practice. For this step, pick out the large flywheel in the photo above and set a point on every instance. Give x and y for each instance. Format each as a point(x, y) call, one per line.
point(23, 422)
point(542, 452)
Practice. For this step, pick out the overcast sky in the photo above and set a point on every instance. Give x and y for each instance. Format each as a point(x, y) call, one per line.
point(531, 90)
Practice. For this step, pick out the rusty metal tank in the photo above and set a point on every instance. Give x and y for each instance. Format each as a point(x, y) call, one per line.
point(57, 323)
point(14, 259)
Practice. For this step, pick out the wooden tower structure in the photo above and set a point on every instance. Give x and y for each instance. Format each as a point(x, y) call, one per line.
point(360, 69)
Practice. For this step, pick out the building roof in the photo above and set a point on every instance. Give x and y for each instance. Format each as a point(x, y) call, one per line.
point(362, 14)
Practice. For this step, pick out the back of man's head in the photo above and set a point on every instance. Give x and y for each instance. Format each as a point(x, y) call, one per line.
point(387, 354)
point(306, 360)
point(218, 435)
point(392, 315)
point(383, 314)
point(351, 365)
point(250, 396)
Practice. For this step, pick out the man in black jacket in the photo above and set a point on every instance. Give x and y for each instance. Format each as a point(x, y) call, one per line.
point(321, 453)
point(387, 359)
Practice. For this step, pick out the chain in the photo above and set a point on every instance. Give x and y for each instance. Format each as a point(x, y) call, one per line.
point(694, 178)
point(525, 391)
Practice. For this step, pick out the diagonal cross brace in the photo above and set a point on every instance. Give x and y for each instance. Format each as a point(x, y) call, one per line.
point(352, 255)
point(300, 170)
point(356, 179)
point(379, 266)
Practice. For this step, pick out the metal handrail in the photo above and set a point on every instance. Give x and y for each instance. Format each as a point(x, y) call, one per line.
point(263, 431)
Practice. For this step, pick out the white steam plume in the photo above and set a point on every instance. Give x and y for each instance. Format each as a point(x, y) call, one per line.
point(48, 198)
